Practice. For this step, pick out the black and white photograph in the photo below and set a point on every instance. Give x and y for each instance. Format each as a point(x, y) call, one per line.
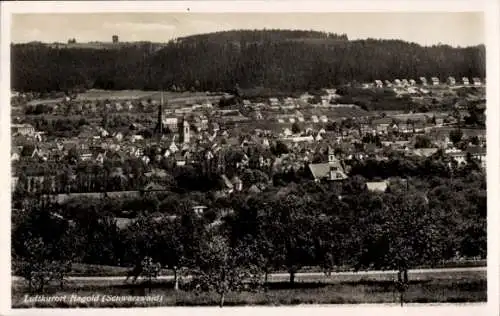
point(247, 159)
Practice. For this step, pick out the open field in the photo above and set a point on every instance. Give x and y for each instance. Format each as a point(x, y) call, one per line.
point(90, 270)
point(348, 288)
point(112, 95)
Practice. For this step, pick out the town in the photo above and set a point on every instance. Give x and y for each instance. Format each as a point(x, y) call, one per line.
point(285, 183)
point(274, 136)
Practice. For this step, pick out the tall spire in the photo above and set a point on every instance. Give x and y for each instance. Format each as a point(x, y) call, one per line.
point(159, 124)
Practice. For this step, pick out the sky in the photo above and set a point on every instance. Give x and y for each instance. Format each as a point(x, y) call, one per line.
point(425, 28)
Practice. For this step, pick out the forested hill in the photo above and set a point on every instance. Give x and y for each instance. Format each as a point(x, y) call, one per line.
point(243, 37)
point(285, 60)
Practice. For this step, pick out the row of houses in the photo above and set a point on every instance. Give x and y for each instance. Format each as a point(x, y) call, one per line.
point(435, 81)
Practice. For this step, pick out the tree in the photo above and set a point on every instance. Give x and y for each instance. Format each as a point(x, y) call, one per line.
point(296, 128)
point(403, 232)
point(150, 270)
point(422, 142)
point(42, 246)
point(37, 267)
point(456, 136)
point(280, 148)
point(291, 221)
point(169, 246)
point(222, 268)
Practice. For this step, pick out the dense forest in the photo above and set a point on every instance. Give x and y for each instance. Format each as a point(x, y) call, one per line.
point(277, 59)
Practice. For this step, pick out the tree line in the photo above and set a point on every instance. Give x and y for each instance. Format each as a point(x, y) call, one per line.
point(310, 224)
point(218, 62)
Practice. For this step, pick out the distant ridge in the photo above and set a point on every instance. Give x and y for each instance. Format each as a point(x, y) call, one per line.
point(288, 60)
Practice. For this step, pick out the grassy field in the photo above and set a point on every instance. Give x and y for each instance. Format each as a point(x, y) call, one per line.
point(424, 288)
point(80, 269)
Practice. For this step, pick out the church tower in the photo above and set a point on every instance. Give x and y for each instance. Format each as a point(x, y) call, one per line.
point(184, 131)
point(331, 156)
point(159, 123)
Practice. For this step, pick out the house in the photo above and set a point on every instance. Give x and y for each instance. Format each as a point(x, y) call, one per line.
point(145, 159)
point(254, 189)
point(377, 186)
point(199, 209)
point(419, 127)
point(412, 82)
point(228, 185)
point(173, 147)
point(423, 81)
point(15, 154)
point(103, 132)
point(214, 127)
point(451, 81)
point(134, 138)
point(180, 158)
point(85, 155)
point(201, 123)
point(118, 136)
point(458, 155)
point(129, 106)
point(287, 132)
point(13, 183)
point(237, 183)
point(424, 152)
point(478, 153)
point(435, 81)
point(153, 186)
point(330, 171)
point(305, 97)
point(171, 123)
point(273, 101)
point(265, 143)
point(382, 125)
point(314, 119)
point(22, 129)
point(257, 115)
point(247, 103)
point(40, 153)
point(477, 81)
point(99, 158)
point(378, 84)
point(465, 81)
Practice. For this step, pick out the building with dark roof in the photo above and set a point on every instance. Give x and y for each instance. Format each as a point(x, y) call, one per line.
point(330, 171)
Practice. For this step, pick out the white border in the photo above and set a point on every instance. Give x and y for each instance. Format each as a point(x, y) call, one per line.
point(490, 7)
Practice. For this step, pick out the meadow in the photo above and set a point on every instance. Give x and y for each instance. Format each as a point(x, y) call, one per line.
point(442, 287)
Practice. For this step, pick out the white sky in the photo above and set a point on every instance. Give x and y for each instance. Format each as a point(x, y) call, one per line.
point(425, 28)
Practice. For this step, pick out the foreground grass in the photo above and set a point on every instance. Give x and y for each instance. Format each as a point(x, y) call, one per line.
point(446, 288)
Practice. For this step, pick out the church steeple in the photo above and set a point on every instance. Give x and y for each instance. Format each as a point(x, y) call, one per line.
point(159, 123)
point(331, 156)
point(184, 131)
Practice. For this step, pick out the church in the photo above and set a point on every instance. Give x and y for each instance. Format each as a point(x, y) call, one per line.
point(328, 171)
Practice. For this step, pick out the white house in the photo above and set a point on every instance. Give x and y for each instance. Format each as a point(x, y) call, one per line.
point(477, 81)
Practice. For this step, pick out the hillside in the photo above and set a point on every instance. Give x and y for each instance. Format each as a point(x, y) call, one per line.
point(274, 59)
